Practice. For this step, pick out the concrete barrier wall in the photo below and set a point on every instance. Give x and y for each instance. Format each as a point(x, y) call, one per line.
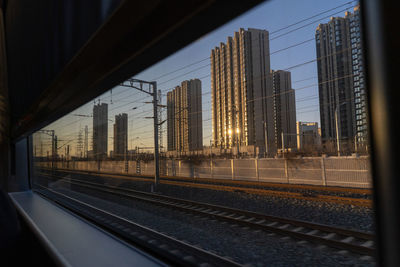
point(331, 171)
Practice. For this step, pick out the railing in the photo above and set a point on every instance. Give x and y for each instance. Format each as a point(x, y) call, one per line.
point(328, 171)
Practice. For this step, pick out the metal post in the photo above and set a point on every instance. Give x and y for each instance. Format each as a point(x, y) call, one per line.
point(156, 152)
point(211, 149)
point(153, 92)
point(323, 171)
point(211, 160)
point(125, 158)
point(337, 133)
point(52, 149)
point(237, 144)
point(283, 143)
point(355, 144)
point(266, 139)
point(232, 169)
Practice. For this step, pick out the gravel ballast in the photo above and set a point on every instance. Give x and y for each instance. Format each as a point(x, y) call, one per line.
point(245, 246)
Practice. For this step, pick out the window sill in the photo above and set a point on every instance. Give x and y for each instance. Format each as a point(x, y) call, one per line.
point(73, 241)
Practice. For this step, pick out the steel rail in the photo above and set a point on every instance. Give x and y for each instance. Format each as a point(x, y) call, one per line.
point(344, 239)
point(167, 248)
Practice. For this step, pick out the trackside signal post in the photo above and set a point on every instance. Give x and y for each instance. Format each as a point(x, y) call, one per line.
point(151, 90)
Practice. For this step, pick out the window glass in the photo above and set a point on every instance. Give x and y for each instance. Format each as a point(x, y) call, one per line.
point(242, 119)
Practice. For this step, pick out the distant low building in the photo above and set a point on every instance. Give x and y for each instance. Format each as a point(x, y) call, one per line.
point(308, 135)
point(120, 136)
point(100, 130)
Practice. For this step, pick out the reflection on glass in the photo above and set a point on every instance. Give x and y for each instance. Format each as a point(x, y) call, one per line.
point(267, 114)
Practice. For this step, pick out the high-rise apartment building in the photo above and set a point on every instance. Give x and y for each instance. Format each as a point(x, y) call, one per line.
point(120, 136)
point(241, 91)
point(100, 130)
point(340, 77)
point(284, 110)
point(359, 87)
point(184, 117)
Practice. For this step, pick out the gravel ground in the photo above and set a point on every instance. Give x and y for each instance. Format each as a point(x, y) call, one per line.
point(254, 248)
point(340, 215)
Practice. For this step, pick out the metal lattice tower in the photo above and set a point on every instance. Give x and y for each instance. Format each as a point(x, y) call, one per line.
point(79, 145)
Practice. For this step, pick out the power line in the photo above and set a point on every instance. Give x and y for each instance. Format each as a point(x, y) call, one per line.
point(273, 32)
point(259, 78)
point(308, 62)
point(314, 16)
point(270, 53)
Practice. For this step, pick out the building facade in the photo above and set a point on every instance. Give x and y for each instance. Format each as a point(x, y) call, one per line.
point(184, 117)
point(100, 130)
point(120, 136)
point(358, 81)
point(308, 137)
point(241, 91)
point(341, 80)
point(284, 111)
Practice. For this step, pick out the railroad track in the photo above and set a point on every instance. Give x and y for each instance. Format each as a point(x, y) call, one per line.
point(232, 188)
point(166, 248)
point(339, 238)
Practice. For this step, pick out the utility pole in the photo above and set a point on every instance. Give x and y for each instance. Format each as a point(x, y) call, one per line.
point(160, 122)
point(152, 90)
point(236, 131)
point(266, 139)
point(156, 152)
point(211, 150)
point(355, 144)
point(337, 133)
point(125, 157)
point(86, 142)
point(237, 142)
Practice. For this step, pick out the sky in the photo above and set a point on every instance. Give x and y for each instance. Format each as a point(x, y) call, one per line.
point(289, 30)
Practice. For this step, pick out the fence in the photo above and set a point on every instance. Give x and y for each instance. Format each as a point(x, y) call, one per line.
point(327, 171)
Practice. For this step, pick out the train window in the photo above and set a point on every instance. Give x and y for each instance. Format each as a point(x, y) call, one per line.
point(249, 145)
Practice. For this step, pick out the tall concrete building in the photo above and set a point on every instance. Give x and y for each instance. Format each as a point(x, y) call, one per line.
point(100, 130)
point(284, 110)
point(358, 81)
point(341, 79)
point(120, 136)
point(241, 91)
point(184, 117)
